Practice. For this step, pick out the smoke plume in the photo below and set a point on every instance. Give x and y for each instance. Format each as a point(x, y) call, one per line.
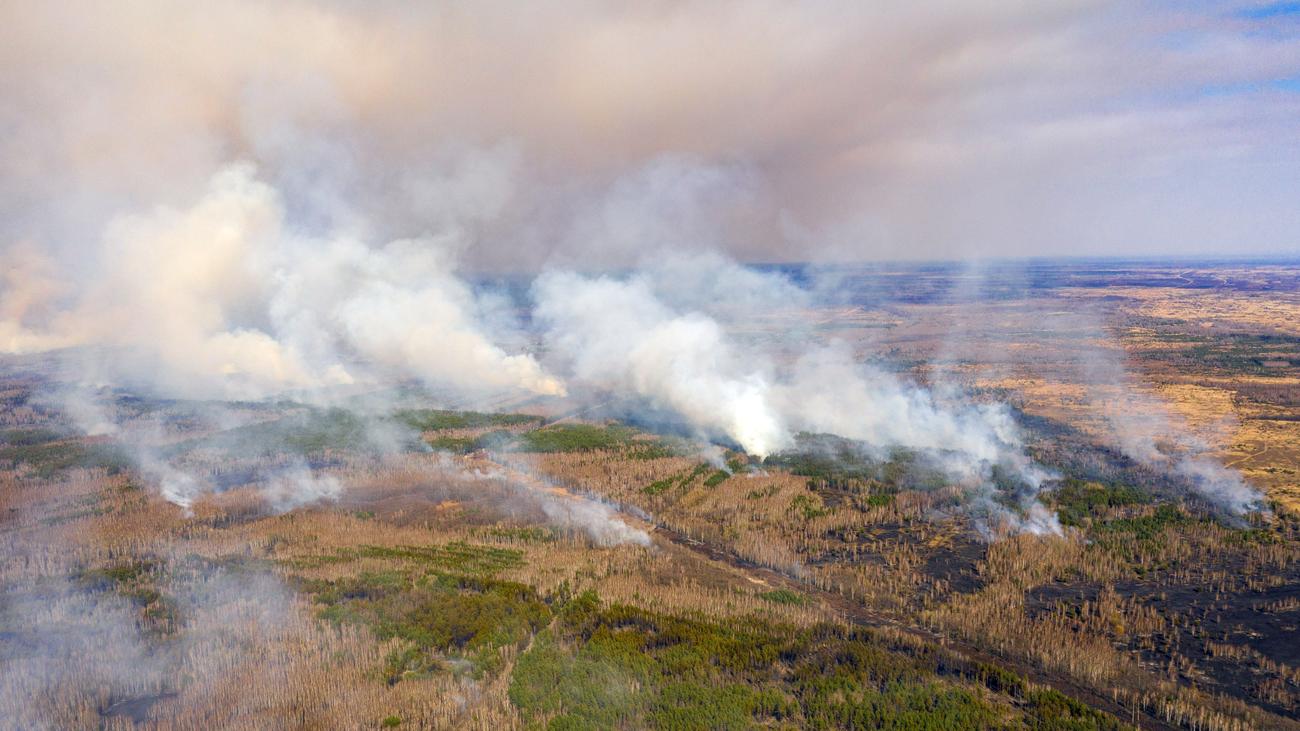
point(628, 335)
point(213, 207)
point(222, 300)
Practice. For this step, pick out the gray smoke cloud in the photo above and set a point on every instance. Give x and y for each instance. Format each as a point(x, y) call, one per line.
point(223, 299)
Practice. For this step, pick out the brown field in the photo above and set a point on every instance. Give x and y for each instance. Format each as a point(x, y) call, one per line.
point(430, 591)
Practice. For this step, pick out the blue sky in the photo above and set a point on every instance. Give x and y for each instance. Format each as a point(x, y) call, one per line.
point(1270, 10)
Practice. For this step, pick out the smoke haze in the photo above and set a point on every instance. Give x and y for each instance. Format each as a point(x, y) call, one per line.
point(272, 261)
point(212, 206)
point(879, 131)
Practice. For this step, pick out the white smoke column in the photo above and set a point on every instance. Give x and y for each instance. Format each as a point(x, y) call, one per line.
point(87, 414)
point(180, 287)
point(223, 300)
point(176, 486)
point(403, 310)
point(620, 337)
point(625, 335)
point(829, 393)
point(1141, 420)
point(283, 488)
point(1221, 485)
point(618, 334)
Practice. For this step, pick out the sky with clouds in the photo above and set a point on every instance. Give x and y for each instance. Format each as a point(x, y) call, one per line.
point(590, 133)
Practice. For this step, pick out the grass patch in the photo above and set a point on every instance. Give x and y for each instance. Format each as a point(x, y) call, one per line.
point(590, 437)
point(109, 577)
point(437, 420)
point(576, 438)
point(458, 445)
point(1051, 709)
point(47, 459)
point(784, 596)
point(682, 480)
point(601, 667)
point(497, 439)
point(1146, 527)
point(315, 431)
point(435, 615)
point(700, 470)
point(660, 486)
point(137, 581)
point(880, 499)
point(523, 534)
point(717, 478)
point(456, 557)
point(826, 457)
point(312, 432)
point(844, 464)
point(30, 437)
point(441, 601)
point(1078, 502)
point(459, 558)
point(808, 505)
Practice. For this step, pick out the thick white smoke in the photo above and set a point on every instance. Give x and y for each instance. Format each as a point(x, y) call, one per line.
point(30, 288)
point(640, 335)
point(223, 300)
point(409, 126)
point(829, 392)
point(618, 336)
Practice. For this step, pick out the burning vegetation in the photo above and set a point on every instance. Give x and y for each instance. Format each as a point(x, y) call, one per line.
point(380, 562)
point(355, 374)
